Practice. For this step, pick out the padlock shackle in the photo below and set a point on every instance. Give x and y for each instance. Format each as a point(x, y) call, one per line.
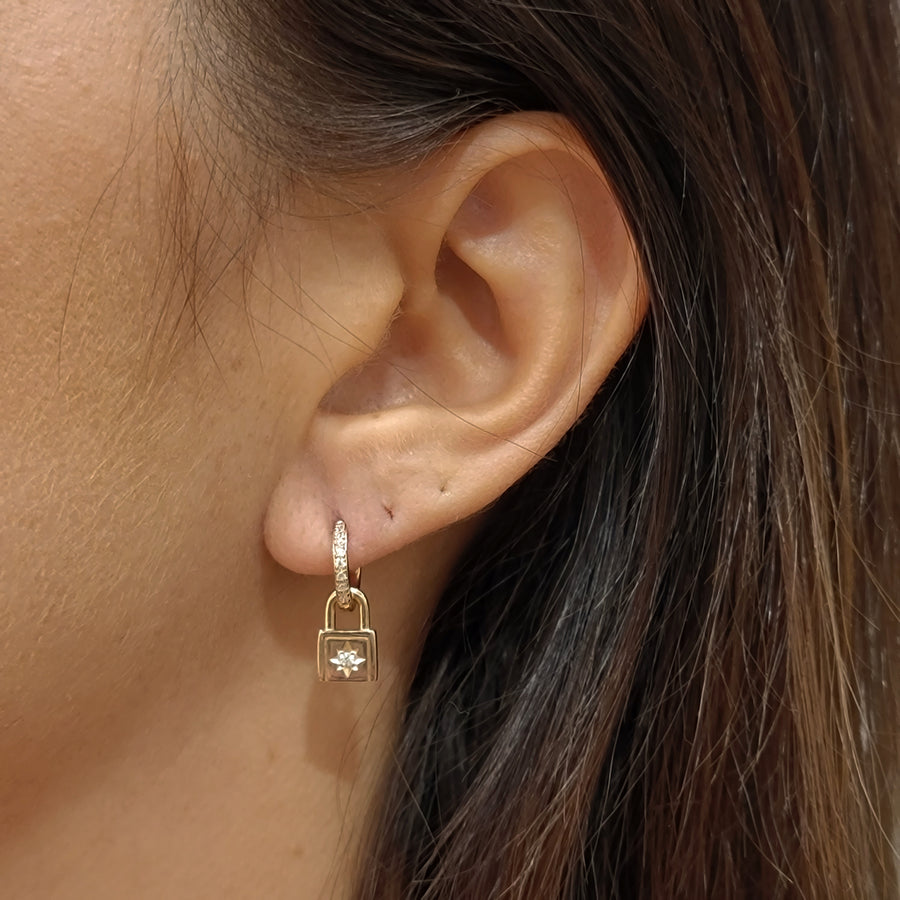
point(362, 604)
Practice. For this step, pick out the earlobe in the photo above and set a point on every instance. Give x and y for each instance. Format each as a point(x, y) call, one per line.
point(522, 291)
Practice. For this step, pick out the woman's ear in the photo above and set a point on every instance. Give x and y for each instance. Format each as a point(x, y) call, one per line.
point(514, 289)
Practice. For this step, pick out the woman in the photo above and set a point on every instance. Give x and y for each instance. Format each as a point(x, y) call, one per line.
point(581, 316)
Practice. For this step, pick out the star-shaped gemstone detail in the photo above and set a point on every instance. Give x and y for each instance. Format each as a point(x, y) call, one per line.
point(347, 659)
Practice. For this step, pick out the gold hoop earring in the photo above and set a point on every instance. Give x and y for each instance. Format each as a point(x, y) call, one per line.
point(346, 655)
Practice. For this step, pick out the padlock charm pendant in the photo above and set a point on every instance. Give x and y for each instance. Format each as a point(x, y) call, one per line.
point(348, 655)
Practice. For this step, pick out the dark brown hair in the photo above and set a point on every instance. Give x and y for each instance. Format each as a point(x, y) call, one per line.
point(665, 668)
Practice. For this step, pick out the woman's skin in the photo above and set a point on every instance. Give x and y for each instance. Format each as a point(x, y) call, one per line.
point(190, 395)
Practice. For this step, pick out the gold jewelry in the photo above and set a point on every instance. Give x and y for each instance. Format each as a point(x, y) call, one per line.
point(346, 655)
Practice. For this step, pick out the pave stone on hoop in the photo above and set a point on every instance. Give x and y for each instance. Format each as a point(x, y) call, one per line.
point(341, 565)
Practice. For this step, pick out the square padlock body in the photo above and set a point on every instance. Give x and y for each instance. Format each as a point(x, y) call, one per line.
point(348, 655)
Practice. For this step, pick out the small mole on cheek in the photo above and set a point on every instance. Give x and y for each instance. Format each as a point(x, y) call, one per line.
point(443, 488)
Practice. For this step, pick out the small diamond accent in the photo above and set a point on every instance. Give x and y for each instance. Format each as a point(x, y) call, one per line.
point(347, 659)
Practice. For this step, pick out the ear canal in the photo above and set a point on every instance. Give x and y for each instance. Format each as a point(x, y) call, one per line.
point(378, 383)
